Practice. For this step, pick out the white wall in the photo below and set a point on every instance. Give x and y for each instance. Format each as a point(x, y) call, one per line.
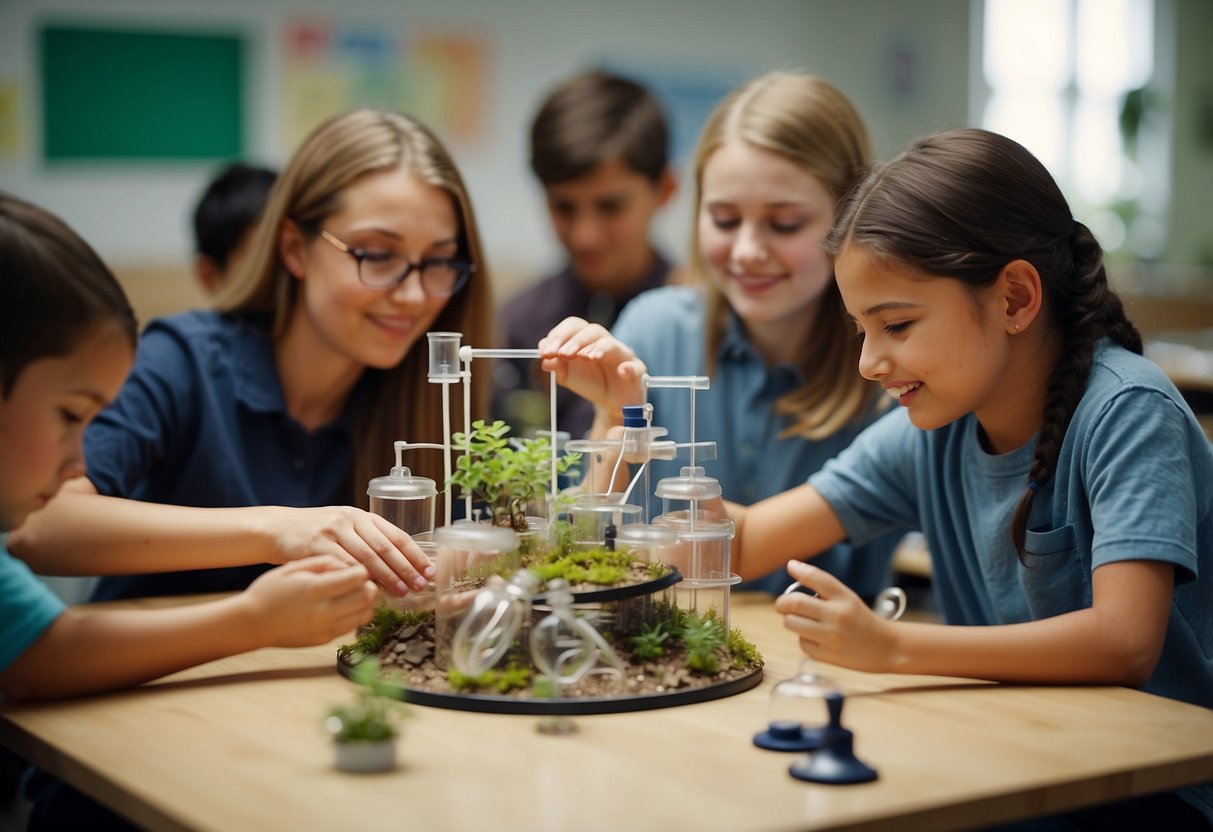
point(137, 214)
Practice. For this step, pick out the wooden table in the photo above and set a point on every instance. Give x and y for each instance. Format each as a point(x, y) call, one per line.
point(237, 745)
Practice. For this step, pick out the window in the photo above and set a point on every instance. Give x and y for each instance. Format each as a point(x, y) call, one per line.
point(1069, 80)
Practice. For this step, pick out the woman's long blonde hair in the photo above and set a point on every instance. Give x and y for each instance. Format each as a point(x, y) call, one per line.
point(400, 403)
point(813, 125)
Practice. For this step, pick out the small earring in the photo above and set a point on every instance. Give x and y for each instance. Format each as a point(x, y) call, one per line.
point(1016, 329)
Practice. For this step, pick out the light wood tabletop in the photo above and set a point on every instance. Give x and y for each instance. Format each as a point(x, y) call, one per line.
point(238, 745)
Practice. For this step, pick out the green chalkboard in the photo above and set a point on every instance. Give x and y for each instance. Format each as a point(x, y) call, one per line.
point(123, 94)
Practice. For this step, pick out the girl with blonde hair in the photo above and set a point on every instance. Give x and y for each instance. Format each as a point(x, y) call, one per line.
point(763, 317)
point(246, 435)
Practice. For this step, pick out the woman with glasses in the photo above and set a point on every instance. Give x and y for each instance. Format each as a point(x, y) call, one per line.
point(246, 435)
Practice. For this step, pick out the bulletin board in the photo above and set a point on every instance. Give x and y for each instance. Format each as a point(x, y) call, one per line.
point(114, 94)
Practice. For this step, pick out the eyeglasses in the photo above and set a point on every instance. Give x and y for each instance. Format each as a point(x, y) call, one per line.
point(440, 276)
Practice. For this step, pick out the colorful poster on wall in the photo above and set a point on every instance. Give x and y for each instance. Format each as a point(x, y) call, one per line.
point(438, 75)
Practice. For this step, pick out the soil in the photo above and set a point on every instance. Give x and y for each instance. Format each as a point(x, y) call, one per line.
point(409, 658)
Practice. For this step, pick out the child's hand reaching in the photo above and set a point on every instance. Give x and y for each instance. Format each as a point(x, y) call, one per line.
point(309, 601)
point(835, 625)
point(594, 365)
point(392, 558)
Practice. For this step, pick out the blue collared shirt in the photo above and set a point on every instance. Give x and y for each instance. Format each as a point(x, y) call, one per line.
point(202, 421)
point(666, 329)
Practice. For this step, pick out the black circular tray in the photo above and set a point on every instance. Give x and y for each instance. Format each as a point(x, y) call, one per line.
point(573, 706)
point(620, 593)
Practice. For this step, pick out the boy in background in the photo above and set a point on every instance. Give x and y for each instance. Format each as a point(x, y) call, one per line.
point(600, 148)
point(224, 218)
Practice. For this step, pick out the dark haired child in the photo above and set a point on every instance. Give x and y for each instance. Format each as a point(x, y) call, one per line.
point(1064, 487)
point(599, 147)
point(224, 219)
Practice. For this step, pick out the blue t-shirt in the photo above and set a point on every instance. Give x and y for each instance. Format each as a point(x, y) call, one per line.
point(202, 421)
point(1134, 481)
point(666, 329)
point(27, 607)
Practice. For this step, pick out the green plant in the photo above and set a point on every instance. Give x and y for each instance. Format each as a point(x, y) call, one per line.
point(657, 569)
point(384, 624)
point(503, 681)
point(742, 651)
point(703, 638)
point(375, 715)
point(597, 565)
point(561, 532)
point(650, 644)
point(503, 474)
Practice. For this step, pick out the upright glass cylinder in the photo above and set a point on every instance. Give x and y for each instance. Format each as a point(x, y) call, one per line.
point(444, 356)
point(468, 554)
point(594, 514)
point(404, 500)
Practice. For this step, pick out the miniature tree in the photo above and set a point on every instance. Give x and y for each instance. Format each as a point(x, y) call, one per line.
point(506, 475)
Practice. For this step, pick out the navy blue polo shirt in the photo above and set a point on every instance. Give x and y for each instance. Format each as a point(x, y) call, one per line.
point(202, 421)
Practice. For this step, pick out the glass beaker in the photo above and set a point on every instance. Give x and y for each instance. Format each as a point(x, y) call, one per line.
point(416, 600)
point(702, 550)
point(444, 356)
point(648, 542)
point(404, 500)
point(593, 514)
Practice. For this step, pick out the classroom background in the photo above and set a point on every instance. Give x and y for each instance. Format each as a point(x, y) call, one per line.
point(114, 113)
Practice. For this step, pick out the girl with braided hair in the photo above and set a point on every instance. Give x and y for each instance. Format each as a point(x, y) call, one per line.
point(1064, 487)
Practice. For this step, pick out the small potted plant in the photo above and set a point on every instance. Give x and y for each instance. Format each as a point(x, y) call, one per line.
point(365, 732)
point(506, 475)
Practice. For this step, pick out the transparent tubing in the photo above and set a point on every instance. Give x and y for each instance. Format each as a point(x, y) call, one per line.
point(468, 353)
point(466, 375)
point(446, 454)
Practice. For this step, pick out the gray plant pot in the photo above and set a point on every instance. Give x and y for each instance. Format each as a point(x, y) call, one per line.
point(379, 755)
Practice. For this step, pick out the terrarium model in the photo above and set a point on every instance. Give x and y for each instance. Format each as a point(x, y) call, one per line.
point(550, 601)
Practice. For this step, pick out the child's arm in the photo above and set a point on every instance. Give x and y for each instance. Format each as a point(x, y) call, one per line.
point(80, 532)
point(1118, 640)
point(303, 603)
point(595, 366)
point(794, 524)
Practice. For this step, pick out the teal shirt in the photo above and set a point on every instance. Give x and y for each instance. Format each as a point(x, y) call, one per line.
point(27, 607)
point(666, 329)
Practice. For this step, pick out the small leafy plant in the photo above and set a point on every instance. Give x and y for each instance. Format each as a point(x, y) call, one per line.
point(703, 639)
point(505, 474)
point(375, 715)
point(650, 644)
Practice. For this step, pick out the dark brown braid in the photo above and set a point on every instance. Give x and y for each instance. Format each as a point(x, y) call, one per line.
point(963, 204)
point(1085, 309)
